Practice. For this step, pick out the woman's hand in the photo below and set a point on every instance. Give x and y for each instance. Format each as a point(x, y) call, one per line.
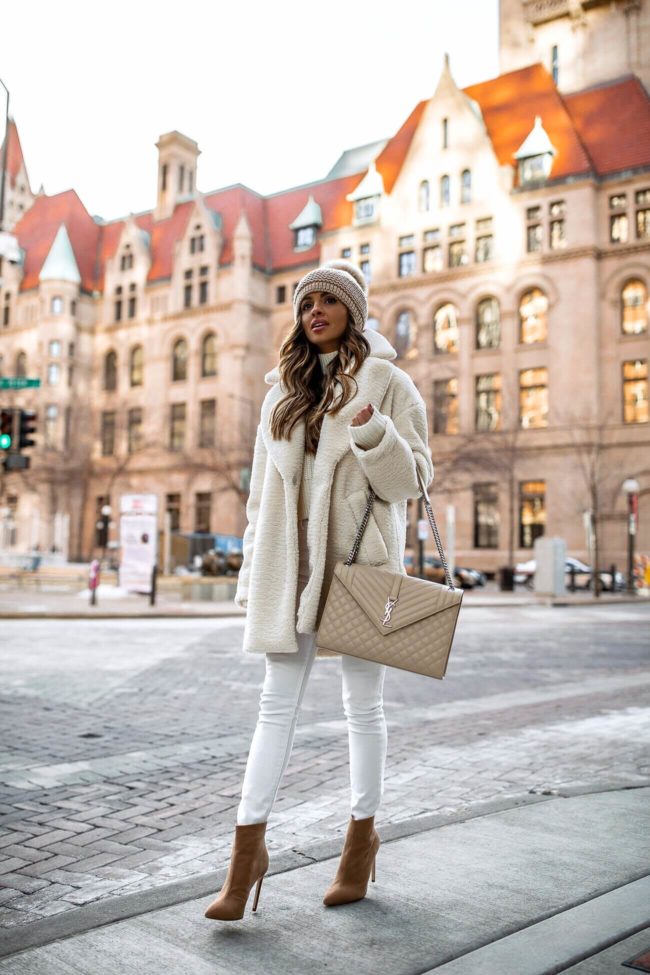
point(362, 416)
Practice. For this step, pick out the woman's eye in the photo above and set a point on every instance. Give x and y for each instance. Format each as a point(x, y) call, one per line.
point(331, 299)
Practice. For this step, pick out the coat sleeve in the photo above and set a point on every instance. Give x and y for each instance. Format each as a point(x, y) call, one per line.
point(390, 466)
point(252, 507)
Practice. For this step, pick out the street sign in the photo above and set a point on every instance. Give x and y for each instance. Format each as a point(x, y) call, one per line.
point(16, 462)
point(18, 382)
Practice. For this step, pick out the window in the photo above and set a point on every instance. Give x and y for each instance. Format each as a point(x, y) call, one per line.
point(132, 301)
point(110, 371)
point(406, 265)
point(346, 252)
point(634, 308)
point(203, 505)
point(108, 433)
point(51, 421)
point(207, 425)
point(533, 398)
point(21, 365)
point(126, 261)
point(532, 512)
point(177, 426)
point(280, 294)
point(533, 309)
point(134, 429)
point(163, 177)
point(6, 311)
point(407, 241)
point(486, 516)
point(53, 374)
point(54, 349)
point(179, 361)
point(618, 228)
point(364, 248)
point(136, 366)
point(488, 324)
point(364, 210)
point(118, 304)
point(643, 223)
point(197, 243)
point(555, 63)
point(635, 391)
point(56, 305)
point(488, 402)
point(457, 253)
point(533, 229)
point(445, 133)
point(424, 196)
point(445, 329)
point(466, 186)
point(203, 286)
point(305, 236)
point(173, 508)
point(73, 308)
point(484, 240)
point(557, 230)
point(71, 349)
point(402, 341)
point(618, 201)
point(209, 355)
point(444, 191)
point(445, 406)
point(187, 296)
point(365, 270)
point(432, 259)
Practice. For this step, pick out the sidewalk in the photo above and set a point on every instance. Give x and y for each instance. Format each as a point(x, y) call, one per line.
point(535, 886)
point(22, 604)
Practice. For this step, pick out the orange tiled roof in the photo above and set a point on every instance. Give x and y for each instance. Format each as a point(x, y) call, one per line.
point(580, 127)
point(15, 159)
point(509, 105)
point(613, 121)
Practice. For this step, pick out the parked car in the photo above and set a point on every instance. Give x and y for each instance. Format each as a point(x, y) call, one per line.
point(575, 570)
point(434, 572)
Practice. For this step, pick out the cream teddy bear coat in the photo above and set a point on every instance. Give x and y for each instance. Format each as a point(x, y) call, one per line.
point(343, 470)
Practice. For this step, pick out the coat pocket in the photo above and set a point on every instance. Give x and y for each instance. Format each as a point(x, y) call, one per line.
point(372, 549)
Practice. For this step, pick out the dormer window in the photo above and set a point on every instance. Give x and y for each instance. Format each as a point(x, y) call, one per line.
point(367, 196)
point(306, 225)
point(535, 156)
point(126, 261)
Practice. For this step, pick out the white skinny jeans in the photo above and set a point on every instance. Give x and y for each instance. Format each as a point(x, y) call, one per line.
point(284, 686)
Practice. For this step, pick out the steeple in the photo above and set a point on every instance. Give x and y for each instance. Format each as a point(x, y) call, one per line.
point(18, 196)
point(177, 162)
point(60, 264)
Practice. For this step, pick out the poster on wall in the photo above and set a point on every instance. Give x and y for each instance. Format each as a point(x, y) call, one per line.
point(138, 534)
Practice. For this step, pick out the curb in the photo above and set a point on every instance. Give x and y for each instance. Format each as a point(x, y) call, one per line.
point(46, 930)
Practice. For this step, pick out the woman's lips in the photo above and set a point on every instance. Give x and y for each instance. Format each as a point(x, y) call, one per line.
point(319, 326)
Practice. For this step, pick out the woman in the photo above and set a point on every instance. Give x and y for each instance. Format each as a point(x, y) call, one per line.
point(339, 416)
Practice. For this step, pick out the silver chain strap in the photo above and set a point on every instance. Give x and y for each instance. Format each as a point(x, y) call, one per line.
point(432, 521)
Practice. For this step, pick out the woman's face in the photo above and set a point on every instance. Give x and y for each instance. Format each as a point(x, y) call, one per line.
point(324, 319)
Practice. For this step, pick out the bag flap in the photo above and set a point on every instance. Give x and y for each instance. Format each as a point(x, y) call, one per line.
point(417, 599)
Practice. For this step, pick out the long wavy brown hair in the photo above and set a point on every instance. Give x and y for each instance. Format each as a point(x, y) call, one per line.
point(310, 389)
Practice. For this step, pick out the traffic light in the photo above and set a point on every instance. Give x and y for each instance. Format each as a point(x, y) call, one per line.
point(6, 429)
point(26, 429)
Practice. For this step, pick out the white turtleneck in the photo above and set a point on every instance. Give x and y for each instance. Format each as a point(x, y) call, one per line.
point(366, 436)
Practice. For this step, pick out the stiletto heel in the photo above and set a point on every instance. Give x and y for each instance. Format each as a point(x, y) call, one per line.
point(373, 871)
point(357, 863)
point(257, 892)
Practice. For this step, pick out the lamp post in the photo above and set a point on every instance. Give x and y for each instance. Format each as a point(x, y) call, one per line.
point(105, 523)
point(631, 488)
point(5, 147)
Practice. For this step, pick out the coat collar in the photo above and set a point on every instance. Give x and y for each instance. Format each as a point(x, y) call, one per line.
point(372, 379)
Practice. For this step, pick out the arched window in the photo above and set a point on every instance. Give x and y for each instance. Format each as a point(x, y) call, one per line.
point(533, 325)
point(21, 365)
point(402, 340)
point(209, 355)
point(56, 305)
point(424, 196)
point(179, 360)
point(466, 186)
point(445, 329)
point(444, 191)
point(488, 324)
point(634, 308)
point(110, 371)
point(136, 366)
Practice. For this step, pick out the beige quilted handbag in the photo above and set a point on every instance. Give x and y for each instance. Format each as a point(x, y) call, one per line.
point(389, 617)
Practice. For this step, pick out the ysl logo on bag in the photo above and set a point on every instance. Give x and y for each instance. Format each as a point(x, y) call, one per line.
point(388, 610)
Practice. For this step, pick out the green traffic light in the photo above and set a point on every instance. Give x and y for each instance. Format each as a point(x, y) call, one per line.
point(5, 441)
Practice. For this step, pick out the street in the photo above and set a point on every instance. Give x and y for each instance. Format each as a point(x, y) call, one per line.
point(126, 740)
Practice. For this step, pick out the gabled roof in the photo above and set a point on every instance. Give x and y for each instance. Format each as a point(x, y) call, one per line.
point(15, 159)
point(390, 160)
point(613, 121)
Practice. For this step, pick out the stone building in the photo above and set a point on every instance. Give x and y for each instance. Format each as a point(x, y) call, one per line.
point(505, 233)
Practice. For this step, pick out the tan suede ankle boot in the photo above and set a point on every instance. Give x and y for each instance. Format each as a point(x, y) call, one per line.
point(357, 863)
point(249, 862)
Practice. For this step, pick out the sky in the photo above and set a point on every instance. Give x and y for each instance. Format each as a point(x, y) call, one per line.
point(272, 93)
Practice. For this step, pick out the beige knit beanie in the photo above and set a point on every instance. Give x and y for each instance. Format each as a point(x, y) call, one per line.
point(344, 280)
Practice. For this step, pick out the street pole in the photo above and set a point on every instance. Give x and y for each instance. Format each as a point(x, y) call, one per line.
point(5, 146)
point(421, 538)
point(631, 488)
